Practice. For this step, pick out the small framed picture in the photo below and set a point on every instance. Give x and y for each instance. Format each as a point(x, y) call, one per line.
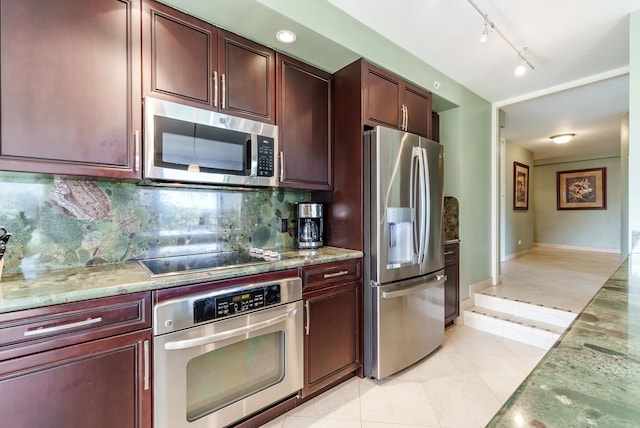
point(582, 189)
point(520, 186)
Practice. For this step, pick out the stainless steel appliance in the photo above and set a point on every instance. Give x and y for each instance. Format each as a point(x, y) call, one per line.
point(310, 224)
point(404, 250)
point(188, 144)
point(222, 355)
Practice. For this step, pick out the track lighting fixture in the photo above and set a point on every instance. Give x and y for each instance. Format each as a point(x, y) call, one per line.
point(521, 67)
point(485, 33)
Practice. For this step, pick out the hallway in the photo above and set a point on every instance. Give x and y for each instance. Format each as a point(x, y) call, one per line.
point(466, 381)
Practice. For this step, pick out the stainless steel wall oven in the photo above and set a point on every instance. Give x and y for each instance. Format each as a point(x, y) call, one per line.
point(224, 354)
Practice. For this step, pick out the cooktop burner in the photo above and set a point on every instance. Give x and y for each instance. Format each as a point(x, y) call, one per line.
point(171, 265)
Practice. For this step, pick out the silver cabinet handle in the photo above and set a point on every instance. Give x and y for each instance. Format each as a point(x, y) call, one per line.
point(215, 88)
point(62, 327)
point(205, 340)
point(448, 253)
point(224, 91)
point(406, 118)
point(307, 326)
point(333, 275)
point(136, 142)
point(145, 346)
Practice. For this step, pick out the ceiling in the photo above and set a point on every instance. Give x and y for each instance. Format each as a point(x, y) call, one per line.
point(579, 49)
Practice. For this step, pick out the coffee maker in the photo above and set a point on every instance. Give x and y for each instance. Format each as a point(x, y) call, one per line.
point(310, 225)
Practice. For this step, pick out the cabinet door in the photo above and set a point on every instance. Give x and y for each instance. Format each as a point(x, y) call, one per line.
point(383, 98)
point(418, 110)
point(104, 383)
point(452, 285)
point(435, 127)
point(305, 125)
point(247, 73)
point(179, 56)
point(70, 79)
point(331, 341)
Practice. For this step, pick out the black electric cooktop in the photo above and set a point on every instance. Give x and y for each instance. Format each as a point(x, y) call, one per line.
point(170, 265)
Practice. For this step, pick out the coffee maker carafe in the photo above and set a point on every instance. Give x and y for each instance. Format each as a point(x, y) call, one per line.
point(310, 225)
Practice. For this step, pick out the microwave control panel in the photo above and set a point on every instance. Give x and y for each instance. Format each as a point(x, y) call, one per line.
point(266, 156)
point(225, 305)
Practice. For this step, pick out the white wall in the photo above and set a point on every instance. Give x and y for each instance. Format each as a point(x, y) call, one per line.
point(593, 229)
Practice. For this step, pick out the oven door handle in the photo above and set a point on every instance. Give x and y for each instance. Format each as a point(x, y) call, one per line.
point(205, 340)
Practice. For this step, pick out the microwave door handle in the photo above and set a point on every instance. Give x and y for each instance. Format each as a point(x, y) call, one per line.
point(216, 337)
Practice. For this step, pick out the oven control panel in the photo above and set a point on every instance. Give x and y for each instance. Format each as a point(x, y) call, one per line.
point(224, 305)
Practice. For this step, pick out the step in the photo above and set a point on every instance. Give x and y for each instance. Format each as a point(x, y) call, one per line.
point(533, 332)
point(532, 311)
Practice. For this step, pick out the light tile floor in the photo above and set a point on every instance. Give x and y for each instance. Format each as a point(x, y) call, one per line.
point(465, 382)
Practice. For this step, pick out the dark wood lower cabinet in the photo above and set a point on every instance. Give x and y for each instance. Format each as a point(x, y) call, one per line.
point(332, 324)
point(94, 384)
point(452, 285)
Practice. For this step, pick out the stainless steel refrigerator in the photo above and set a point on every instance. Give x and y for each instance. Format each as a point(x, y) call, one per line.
point(404, 260)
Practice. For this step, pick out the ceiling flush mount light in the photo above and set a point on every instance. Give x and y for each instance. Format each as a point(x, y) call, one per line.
point(286, 36)
point(488, 25)
point(562, 138)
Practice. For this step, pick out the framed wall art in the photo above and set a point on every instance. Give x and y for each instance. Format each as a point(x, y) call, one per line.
point(582, 189)
point(520, 186)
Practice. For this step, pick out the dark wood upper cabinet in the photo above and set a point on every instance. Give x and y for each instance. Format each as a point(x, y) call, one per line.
point(248, 79)
point(71, 96)
point(390, 101)
point(179, 55)
point(435, 127)
point(193, 62)
point(304, 100)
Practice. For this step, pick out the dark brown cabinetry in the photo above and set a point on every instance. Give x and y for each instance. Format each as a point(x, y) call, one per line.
point(331, 294)
point(70, 87)
point(76, 365)
point(390, 101)
point(452, 285)
point(190, 61)
point(435, 127)
point(304, 118)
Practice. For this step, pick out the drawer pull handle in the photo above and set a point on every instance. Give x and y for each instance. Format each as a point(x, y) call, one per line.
point(333, 275)
point(448, 253)
point(46, 330)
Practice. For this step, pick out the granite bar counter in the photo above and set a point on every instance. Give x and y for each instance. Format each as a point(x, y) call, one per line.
point(43, 288)
point(591, 376)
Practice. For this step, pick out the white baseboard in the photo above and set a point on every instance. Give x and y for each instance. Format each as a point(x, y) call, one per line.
point(516, 255)
point(577, 248)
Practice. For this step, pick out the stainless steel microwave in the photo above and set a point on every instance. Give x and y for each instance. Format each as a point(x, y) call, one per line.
point(192, 145)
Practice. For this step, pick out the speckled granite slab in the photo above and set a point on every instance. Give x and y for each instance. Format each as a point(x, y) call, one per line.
point(591, 377)
point(42, 288)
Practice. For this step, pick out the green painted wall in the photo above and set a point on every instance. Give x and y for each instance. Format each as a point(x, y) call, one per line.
point(634, 133)
point(598, 229)
point(518, 223)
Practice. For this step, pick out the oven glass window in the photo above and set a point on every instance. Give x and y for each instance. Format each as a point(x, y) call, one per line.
point(229, 374)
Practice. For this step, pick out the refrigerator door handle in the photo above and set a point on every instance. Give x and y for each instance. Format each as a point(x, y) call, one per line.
point(440, 279)
point(425, 208)
point(414, 186)
point(421, 229)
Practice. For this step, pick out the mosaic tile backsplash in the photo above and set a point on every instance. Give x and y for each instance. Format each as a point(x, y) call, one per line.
point(60, 221)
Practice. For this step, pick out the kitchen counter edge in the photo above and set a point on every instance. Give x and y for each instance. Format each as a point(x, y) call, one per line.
point(45, 288)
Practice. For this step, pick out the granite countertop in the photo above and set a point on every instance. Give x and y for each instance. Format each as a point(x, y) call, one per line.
point(44, 288)
point(591, 376)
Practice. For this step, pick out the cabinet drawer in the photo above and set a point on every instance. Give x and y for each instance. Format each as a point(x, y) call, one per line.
point(327, 274)
point(36, 330)
point(451, 253)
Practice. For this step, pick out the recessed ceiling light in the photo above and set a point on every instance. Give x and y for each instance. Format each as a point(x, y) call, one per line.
point(562, 138)
point(286, 36)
